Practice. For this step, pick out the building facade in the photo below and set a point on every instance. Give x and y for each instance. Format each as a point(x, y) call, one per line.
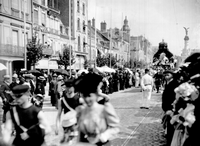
point(120, 42)
point(79, 17)
point(141, 49)
point(12, 29)
point(100, 46)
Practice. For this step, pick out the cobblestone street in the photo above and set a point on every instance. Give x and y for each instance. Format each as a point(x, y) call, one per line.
point(139, 127)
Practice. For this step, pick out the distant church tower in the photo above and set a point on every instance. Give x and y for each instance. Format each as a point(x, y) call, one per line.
point(125, 26)
point(186, 50)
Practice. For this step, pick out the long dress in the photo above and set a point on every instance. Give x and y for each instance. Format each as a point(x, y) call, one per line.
point(95, 120)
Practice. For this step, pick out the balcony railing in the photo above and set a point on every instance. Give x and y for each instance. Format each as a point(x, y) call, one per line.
point(10, 50)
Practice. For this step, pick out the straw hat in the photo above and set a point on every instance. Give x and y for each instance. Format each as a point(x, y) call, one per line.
point(41, 78)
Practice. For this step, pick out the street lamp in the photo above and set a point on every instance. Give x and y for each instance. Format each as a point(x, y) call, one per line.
point(70, 72)
point(25, 60)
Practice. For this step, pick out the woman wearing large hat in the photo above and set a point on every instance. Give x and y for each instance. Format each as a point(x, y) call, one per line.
point(97, 123)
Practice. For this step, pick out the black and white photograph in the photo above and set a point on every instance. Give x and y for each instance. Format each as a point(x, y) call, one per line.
point(99, 72)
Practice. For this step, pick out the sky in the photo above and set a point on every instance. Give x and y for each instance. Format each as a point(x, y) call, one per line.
point(154, 19)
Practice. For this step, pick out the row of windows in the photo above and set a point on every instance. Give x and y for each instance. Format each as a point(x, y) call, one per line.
point(16, 8)
point(79, 44)
point(12, 36)
point(79, 25)
point(42, 2)
point(53, 22)
point(78, 7)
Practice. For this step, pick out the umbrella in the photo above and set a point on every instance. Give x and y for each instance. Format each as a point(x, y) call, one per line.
point(2, 66)
point(107, 69)
point(129, 70)
point(35, 72)
point(82, 70)
point(61, 71)
point(24, 71)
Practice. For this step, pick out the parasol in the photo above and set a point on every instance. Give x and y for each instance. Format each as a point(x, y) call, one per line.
point(35, 72)
point(107, 69)
point(61, 71)
point(2, 66)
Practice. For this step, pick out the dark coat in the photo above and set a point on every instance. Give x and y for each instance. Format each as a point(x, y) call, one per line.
point(169, 95)
point(3, 92)
point(40, 88)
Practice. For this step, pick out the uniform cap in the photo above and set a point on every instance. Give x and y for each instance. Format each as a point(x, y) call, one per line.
point(20, 89)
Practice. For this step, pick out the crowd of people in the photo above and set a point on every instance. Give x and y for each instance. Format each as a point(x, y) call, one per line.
point(180, 101)
point(83, 98)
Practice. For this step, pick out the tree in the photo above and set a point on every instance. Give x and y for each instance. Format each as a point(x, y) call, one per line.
point(101, 60)
point(64, 57)
point(112, 59)
point(34, 52)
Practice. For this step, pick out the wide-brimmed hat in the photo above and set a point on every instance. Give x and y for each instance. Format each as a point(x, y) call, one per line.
point(15, 76)
point(69, 83)
point(6, 77)
point(28, 76)
point(88, 83)
point(193, 57)
point(41, 78)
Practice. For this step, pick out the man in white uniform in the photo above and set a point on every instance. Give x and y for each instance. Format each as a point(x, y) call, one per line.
point(147, 85)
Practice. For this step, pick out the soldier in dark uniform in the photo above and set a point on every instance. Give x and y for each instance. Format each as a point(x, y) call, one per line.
point(14, 81)
point(158, 80)
point(40, 86)
point(5, 94)
point(52, 89)
point(29, 122)
point(115, 82)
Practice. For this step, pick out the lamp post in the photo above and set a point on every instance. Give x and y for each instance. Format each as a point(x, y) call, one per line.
point(70, 72)
point(25, 60)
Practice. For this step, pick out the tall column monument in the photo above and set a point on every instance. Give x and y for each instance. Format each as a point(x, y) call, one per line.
point(186, 50)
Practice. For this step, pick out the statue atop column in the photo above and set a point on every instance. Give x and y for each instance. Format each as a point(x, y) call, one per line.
point(186, 30)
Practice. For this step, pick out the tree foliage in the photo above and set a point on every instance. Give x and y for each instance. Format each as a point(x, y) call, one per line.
point(103, 60)
point(111, 59)
point(64, 57)
point(34, 52)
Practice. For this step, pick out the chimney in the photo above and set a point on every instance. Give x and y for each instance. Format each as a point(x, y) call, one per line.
point(89, 23)
point(103, 26)
point(93, 22)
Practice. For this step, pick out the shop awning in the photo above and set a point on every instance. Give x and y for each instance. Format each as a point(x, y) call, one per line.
point(46, 64)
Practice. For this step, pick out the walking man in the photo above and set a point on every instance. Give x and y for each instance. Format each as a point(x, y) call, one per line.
point(147, 85)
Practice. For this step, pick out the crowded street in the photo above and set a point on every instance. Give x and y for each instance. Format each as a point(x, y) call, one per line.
point(138, 127)
point(99, 72)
